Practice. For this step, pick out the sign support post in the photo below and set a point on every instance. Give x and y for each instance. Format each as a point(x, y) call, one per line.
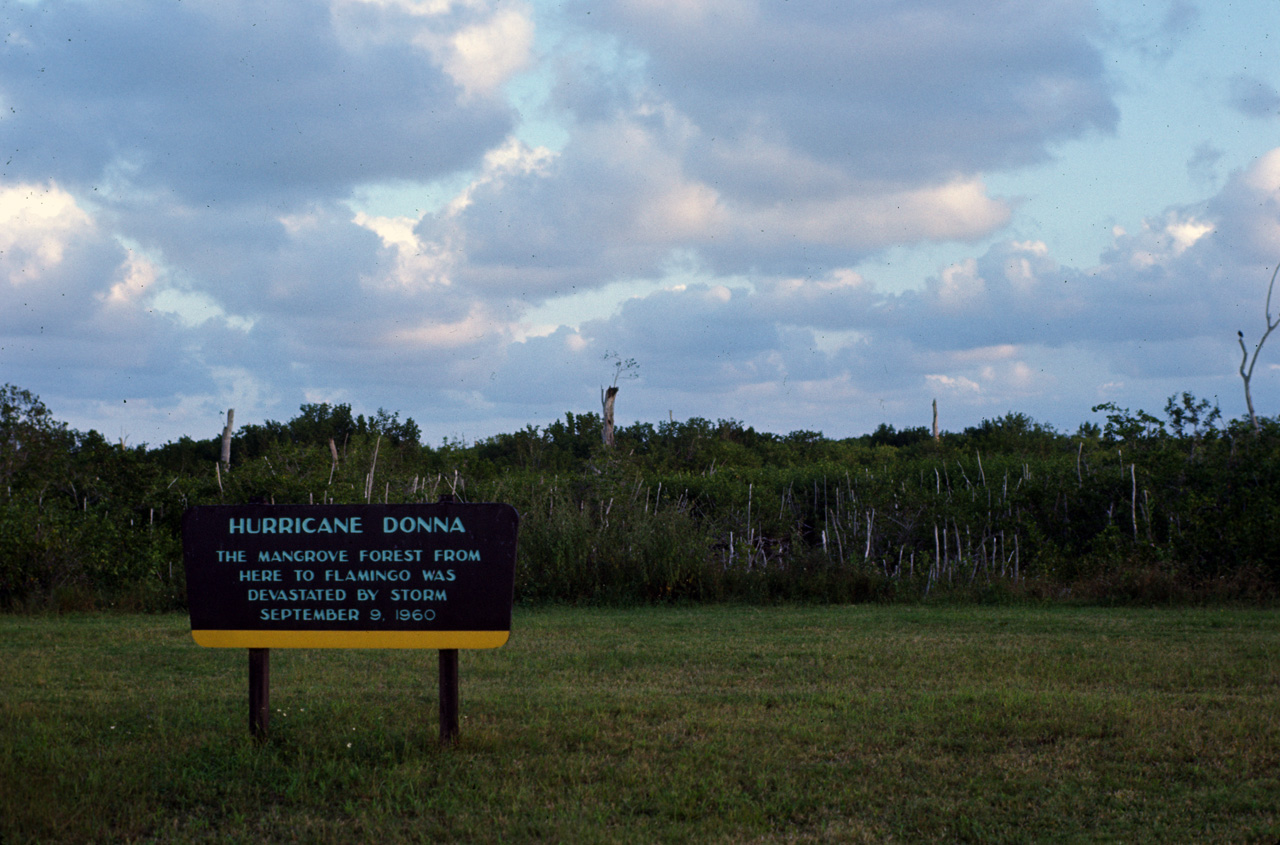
point(448, 696)
point(259, 692)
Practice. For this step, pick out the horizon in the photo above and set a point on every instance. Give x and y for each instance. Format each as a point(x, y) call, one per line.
point(465, 443)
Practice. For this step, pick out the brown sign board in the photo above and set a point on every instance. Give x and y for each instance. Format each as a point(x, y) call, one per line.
point(351, 576)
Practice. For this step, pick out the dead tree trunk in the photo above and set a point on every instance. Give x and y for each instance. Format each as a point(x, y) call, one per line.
point(935, 420)
point(607, 397)
point(226, 438)
point(1248, 375)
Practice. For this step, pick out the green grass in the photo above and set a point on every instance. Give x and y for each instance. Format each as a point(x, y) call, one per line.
point(720, 724)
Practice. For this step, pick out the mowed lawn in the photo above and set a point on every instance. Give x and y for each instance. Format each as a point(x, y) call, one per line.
point(686, 724)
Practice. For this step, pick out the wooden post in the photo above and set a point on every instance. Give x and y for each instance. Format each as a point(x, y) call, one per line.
point(226, 437)
point(448, 678)
point(607, 398)
point(259, 692)
point(368, 482)
point(448, 696)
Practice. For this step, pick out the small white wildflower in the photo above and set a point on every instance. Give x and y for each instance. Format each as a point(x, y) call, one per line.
point(348, 745)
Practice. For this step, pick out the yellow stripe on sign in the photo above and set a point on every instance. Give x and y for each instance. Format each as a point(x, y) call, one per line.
point(351, 639)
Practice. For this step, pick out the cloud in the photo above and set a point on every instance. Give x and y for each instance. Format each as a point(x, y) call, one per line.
point(190, 213)
point(1253, 96)
point(1148, 33)
point(773, 139)
point(915, 92)
point(184, 172)
point(957, 210)
point(619, 201)
point(1202, 167)
point(991, 332)
point(227, 101)
point(581, 218)
point(1008, 328)
point(485, 55)
point(36, 224)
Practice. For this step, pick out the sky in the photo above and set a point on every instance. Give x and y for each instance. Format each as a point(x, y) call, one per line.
point(800, 214)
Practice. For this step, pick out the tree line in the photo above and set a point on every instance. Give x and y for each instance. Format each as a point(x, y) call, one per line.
point(1180, 506)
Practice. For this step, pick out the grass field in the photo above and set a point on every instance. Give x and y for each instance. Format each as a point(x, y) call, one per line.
point(720, 724)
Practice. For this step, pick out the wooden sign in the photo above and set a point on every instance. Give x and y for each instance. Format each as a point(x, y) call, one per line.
point(350, 576)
